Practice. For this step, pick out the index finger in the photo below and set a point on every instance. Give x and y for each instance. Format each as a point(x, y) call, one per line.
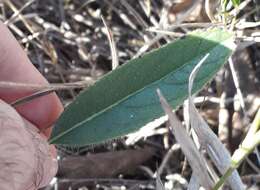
point(16, 67)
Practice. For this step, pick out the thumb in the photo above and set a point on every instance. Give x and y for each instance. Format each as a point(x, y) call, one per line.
point(26, 161)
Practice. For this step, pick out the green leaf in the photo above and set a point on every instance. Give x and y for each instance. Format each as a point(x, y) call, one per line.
point(235, 2)
point(125, 99)
point(225, 3)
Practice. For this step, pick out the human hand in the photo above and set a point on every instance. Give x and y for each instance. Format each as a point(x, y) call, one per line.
point(26, 159)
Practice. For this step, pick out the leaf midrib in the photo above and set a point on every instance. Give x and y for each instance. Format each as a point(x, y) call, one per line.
point(126, 97)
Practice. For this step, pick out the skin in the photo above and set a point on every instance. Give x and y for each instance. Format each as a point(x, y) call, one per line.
point(16, 67)
point(21, 143)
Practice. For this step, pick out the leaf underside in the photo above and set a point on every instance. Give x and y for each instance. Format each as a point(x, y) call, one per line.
point(125, 99)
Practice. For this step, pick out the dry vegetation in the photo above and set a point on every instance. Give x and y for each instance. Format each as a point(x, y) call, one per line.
point(67, 41)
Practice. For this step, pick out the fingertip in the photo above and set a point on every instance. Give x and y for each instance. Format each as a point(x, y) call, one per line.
point(16, 67)
point(42, 112)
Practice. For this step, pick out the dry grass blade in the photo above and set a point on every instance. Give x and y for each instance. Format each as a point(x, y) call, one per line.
point(112, 45)
point(159, 184)
point(208, 140)
point(26, 22)
point(196, 161)
point(209, 11)
point(155, 39)
point(165, 32)
point(40, 90)
point(145, 131)
point(236, 82)
point(36, 87)
point(193, 184)
point(242, 5)
point(136, 15)
point(31, 97)
point(13, 17)
point(167, 157)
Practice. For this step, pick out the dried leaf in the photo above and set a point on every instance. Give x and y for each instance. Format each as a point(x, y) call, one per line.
point(159, 184)
point(193, 184)
point(208, 140)
point(196, 161)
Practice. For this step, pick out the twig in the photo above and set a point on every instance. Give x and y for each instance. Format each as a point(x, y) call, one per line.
point(159, 36)
point(252, 165)
point(166, 158)
point(18, 12)
point(135, 13)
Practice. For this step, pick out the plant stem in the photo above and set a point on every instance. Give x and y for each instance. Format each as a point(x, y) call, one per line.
point(251, 140)
point(223, 178)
